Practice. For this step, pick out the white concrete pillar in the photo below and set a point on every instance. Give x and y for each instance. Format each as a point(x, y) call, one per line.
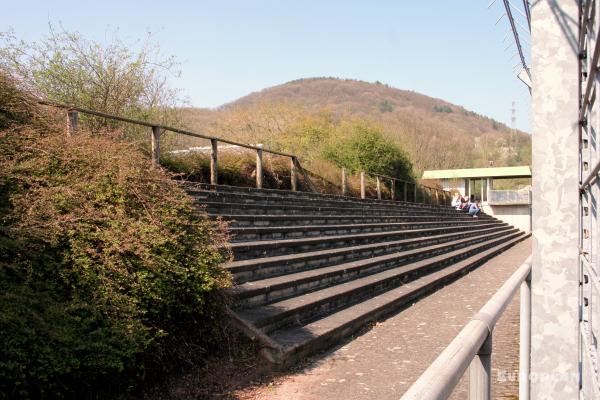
point(554, 325)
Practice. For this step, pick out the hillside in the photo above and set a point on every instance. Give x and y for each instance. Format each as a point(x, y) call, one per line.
point(436, 134)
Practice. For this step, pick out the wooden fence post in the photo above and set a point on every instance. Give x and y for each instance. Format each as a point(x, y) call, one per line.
point(72, 121)
point(362, 185)
point(259, 169)
point(214, 166)
point(293, 177)
point(378, 188)
point(393, 189)
point(344, 182)
point(155, 146)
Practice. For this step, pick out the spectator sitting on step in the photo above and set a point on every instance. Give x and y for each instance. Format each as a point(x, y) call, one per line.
point(464, 204)
point(456, 200)
point(474, 209)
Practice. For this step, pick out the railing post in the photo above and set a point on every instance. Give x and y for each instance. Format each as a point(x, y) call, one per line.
point(155, 146)
point(480, 372)
point(378, 188)
point(362, 185)
point(214, 166)
point(415, 187)
point(293, 177)
point(525, 338)
point(393, 189)
point(72, 121)
point(437, 198)
point(344, 182)
point(405, 192)
point(259, 168)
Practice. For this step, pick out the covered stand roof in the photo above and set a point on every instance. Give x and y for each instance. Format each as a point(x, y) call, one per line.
point(495, 172)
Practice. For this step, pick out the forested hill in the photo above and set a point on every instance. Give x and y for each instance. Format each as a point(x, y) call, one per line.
point(435, 133)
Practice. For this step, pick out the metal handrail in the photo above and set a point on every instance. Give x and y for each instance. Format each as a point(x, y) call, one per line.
point(157, 129)
point(472, 347)
point(163, 127)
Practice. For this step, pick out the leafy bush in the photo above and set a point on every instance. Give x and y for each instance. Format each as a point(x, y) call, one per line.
point(101, 258)
point(366, 149)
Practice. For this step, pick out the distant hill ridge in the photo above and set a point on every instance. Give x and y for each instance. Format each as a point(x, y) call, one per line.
point(436, 133)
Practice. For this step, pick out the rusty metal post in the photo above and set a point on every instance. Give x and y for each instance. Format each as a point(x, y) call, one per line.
point(214, 166)
point(72, 122)
point(362, 185)
point(155, 146)
point(293, 176)
point(344, 182)
point(259, 168)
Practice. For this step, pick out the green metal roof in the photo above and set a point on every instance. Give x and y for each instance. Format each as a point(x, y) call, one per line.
point(495, 172)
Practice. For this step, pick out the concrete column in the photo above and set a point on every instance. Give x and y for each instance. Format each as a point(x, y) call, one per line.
point(554, 324)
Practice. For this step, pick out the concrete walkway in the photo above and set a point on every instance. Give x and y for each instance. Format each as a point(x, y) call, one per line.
point(383, 362)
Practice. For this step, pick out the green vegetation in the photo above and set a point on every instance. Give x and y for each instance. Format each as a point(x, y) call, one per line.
point(366, 149)
point(432, 140)
point(442, 109)
point(103, 261)
point(127, 79)
point(386, 106)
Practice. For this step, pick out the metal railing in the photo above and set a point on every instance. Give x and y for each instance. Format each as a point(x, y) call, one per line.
point(472, 348)
point(589, 168)
point(509, 197)
point(158, 129)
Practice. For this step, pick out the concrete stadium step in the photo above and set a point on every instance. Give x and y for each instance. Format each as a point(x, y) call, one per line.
point(193, 188)
point(246, 220)
point(282, 209)
point(245, 234)
point(261, 268)
point(312, 268)
point(269, 290)
point(261, 248)
point(234, 197)
point(300, 309)
point(293, 343)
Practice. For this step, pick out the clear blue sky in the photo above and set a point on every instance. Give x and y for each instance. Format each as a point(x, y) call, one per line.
point(448, 49)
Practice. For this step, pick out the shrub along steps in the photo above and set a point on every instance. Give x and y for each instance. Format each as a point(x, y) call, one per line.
point(311, 269)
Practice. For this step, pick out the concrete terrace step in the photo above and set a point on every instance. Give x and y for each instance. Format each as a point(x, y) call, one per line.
point(243, 198)
point(311, 268)
point(288, 345)
point(273, 289)
point(308, 306)
point(254, 249)
point(246, 220)
point(245, 234)
point(192, 188)
point(281, 209)
point(261, 268)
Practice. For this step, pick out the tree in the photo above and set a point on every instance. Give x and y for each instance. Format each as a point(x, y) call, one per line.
point(128, 79)
point(367, 149)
